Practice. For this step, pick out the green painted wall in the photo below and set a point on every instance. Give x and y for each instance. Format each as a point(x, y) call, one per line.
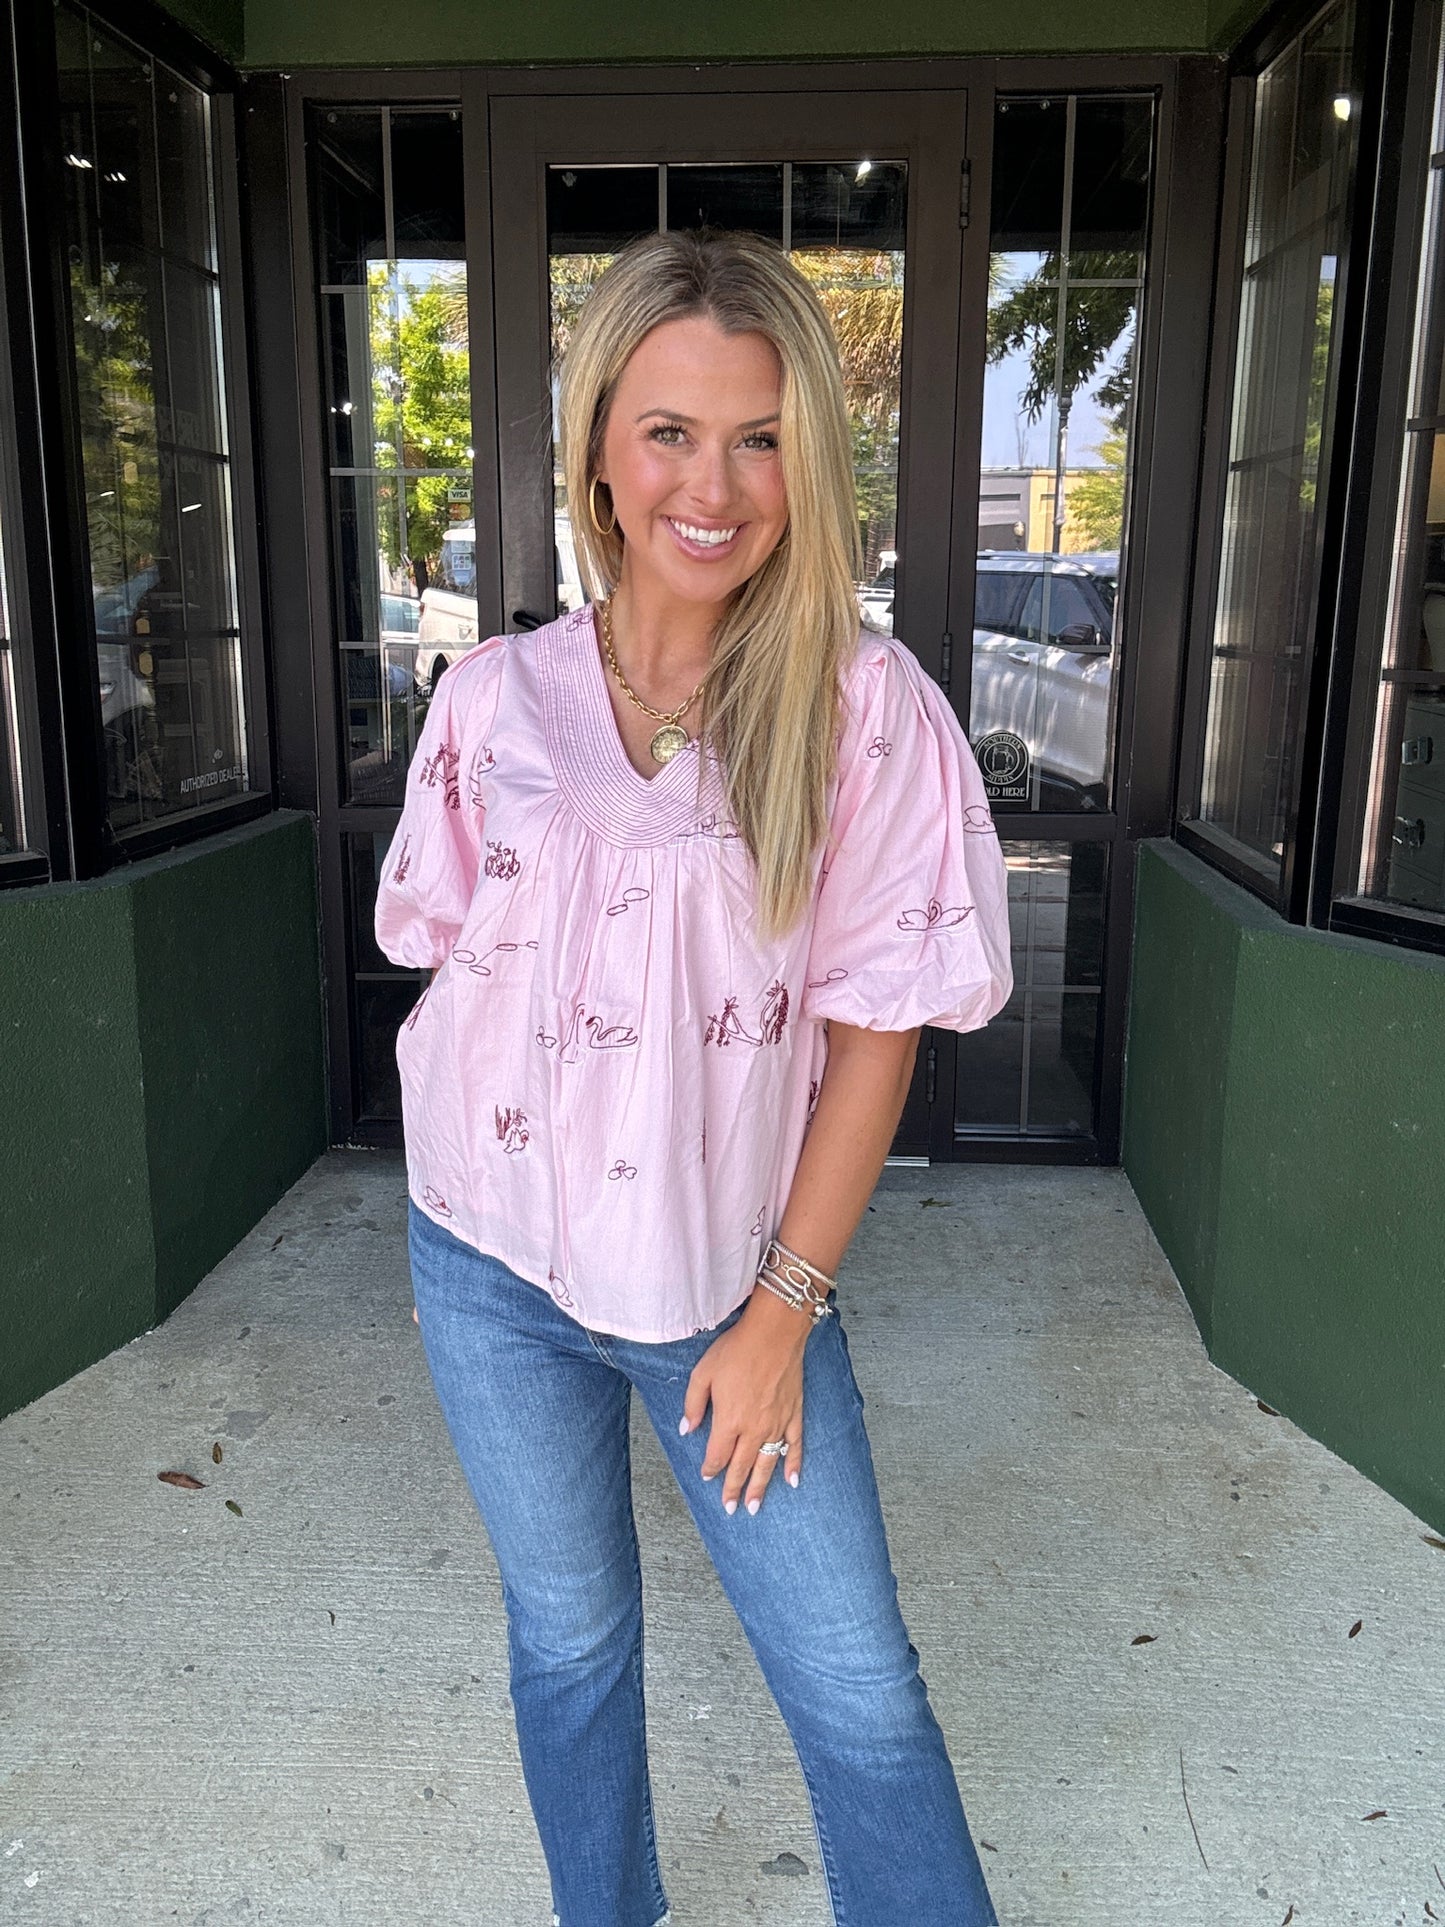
point(220, 23)
point(443, 32)
point(163, 1082)
point(1285, 1135)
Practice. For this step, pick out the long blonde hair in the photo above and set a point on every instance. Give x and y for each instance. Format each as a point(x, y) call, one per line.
point(770, 705)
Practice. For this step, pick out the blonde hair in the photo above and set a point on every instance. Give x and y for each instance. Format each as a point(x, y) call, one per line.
point(770, 707)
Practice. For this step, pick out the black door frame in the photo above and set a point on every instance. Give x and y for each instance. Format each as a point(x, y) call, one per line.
point(1173, 354)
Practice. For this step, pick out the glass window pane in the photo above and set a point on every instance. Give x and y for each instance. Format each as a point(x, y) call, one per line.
point(1301, 187)
point(1070, 205)
point(1403, 855)
point(397, 391)
point(148, 366)
point(741, 195)
point(12, 820)
point(844, 225)
point(1032, 1070)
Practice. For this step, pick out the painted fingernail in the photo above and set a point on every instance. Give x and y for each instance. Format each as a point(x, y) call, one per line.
point(684, 1426)
point(753, 1504)
point(730, 1505)
point(792, 1478)
point(709, 1475)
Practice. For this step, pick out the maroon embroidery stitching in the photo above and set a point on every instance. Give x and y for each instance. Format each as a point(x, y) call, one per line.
point(978, 820)
point(559, 1289)
point(601, 1037)
point(834, 976)
point(878, 747)
point(634, 894)
point(935, 917)
point(757, 1230)
point(416, 1007)
point(482, 760)
point(704, 1140)
point(813, 1089)
point(436, 1201)
point(708, 826)
point(622, 1169)
point(501, 860)
point(475, 964)
point(511, 1127)
point(442, 768)
point(771, 1019)
point(403, 862)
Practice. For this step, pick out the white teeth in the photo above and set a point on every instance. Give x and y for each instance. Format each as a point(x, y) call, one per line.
point(709, 537)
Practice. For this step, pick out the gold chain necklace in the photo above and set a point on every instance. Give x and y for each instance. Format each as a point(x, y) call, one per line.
point(668, 740)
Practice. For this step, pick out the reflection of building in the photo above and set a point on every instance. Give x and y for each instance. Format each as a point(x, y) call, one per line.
point(1016, 510)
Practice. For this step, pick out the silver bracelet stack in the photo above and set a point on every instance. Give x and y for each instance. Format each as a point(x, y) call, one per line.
point(795, 1281)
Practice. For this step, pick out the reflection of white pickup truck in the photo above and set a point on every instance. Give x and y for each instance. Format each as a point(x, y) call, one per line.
point(1043, 667)
point(449, 605)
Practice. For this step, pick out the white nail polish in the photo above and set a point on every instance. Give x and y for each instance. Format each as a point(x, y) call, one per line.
point(753, 1504)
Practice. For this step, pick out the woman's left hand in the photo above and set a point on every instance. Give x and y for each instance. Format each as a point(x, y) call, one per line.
point(753, 1376)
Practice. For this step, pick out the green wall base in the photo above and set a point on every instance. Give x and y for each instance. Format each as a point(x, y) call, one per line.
point(162, 1083)
point(1284, 1132)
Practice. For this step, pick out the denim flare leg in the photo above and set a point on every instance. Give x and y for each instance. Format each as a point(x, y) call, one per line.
point(537, 1407)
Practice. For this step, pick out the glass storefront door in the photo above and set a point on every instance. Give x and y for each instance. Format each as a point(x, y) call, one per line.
point(863, 194)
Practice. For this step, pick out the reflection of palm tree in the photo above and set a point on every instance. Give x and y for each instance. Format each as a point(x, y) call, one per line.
point(1066, 333)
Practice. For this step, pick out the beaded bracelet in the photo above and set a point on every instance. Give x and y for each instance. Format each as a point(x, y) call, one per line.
point(795, 1281)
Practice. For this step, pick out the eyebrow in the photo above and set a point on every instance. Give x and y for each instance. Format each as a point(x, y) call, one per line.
point(689, 421)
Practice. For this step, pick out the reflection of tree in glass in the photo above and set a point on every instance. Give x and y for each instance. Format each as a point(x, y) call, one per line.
point(1024, 319)
point(421, 403)
point(1315, 400)
point(116, 392)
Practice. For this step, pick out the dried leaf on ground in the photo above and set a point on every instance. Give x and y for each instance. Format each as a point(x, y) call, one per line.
point(183, 1480)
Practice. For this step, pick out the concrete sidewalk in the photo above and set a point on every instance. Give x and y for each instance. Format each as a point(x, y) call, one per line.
point(299, 1713)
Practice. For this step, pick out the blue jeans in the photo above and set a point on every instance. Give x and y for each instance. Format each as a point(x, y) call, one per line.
point(537, 1406)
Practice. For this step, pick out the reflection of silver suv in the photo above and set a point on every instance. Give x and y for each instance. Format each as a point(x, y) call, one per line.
point(449, 606)
point(1043, 666)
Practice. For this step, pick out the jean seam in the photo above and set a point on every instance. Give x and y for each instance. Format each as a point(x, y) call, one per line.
point(825, 1852)
point(654, 1868)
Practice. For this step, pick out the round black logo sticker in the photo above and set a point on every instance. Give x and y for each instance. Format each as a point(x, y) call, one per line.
point(1003, 761)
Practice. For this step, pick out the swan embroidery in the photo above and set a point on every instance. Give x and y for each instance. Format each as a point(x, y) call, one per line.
point(935, 917)
point(622, 1169)
point(878, 747)
point(403, 862)
point(481, 761)
point(834, 976)
point(478, 966)
point(634, 894)
point(600, 1036)
point(442, 768)
point(501, 861)
point(436, 1201)
point(511, 1127)
point(771, 1019)
point(559, 1289)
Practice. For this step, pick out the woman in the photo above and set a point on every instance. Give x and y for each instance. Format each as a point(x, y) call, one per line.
point(693, 866)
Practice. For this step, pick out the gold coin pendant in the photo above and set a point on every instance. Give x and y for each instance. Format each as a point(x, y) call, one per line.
point(668, 741)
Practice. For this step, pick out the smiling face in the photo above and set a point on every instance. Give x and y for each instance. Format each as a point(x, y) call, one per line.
point(690, 453)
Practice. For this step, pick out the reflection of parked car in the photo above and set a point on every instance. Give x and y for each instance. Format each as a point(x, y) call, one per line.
point(1043, 666)
point(449, 606)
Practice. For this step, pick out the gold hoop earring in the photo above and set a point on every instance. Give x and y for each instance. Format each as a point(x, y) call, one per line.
point(592, 506)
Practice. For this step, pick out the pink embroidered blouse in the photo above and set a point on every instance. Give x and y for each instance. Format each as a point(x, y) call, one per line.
point(608, 1081)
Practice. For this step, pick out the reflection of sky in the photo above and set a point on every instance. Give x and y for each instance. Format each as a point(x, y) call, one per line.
point(1010, 439)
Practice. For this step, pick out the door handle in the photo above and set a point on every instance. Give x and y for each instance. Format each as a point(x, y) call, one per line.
point(1020, 655)
point(524, 619)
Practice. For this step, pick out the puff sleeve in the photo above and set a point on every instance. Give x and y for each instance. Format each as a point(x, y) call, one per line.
point(911, 918)
point(430, 871)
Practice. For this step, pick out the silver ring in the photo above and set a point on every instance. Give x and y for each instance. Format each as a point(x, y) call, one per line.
point(774, 1447)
